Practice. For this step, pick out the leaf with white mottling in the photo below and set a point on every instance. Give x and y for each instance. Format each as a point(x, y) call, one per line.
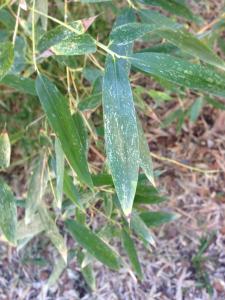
point(5, 150)
point(181, 72)
point(121, 133)
point(8, 212)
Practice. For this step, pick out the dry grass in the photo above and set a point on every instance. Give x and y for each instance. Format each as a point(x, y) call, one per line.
point(169, 272)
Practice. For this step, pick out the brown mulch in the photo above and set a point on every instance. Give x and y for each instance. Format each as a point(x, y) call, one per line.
point(169, 272)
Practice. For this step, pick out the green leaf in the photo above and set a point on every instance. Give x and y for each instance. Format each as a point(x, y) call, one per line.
point(215, 103)
point(37, 186)
point(59, 267)
point(132, 253)
point(25, 231)
point(75, 45)
point(7, 19)
point(108, 205)
point(195, 109)
point(180, 71)
point(181, 38)
point(102, 179)
point(60, 165)
point(93, 244)
point(42, 6)
point(145, 157)
point(157, 18)
point(94, 1)
point(59, 33)
point(22, 84)
point(59, 116)
point(52, 232)
point(121, 133)
point(79, 124)
point(70, 190)
point(124, 34)
point(172, 6)
point(157, 218)
point(138, 225)
point(6, 58)
point(8, 212)
point(5, 150)
point(91, 102)
point(146, 194)
point(87, 271)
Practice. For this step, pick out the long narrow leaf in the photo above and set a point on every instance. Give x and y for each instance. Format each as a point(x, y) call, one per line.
point(181, 72)
point(5, 150)
point(60, 119)
point(6, 58)
point(93, 244)
point(8, 212)
point(132, 253)
point(60, 165)
point(121, 133)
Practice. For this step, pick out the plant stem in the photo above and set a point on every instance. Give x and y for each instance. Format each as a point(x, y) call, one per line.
point(33, 39)
point(16, 25)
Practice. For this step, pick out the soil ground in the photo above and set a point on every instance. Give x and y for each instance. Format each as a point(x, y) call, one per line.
point(170, 271)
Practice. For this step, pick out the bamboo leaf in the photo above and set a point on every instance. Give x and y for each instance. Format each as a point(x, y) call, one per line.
point(8, 212)
point(79, 124)
point(25, 231)
point(181, 72)
point(5, 150)
point(93, 244)
point(19, 83)
point(60, 165)
point(87, 271)
point(59, 267)
point(52, 232)
point(138, 225)
point(70, 190)
point(124, 34)
point(145, 157)
point(37, 187)
point(121, 134)
point(157, 218)
point(182, 39)
point(132, 253)
point(59, 33)
point(75, 45)
point(173, 6)
point(61, 121)
point(6, 58)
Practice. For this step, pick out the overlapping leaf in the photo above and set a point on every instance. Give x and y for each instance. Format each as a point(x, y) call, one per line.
point(59, 116)
point(67, 40)
point(173, 6)
point(121, 133)
point(93, 244)
point(181, 72)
